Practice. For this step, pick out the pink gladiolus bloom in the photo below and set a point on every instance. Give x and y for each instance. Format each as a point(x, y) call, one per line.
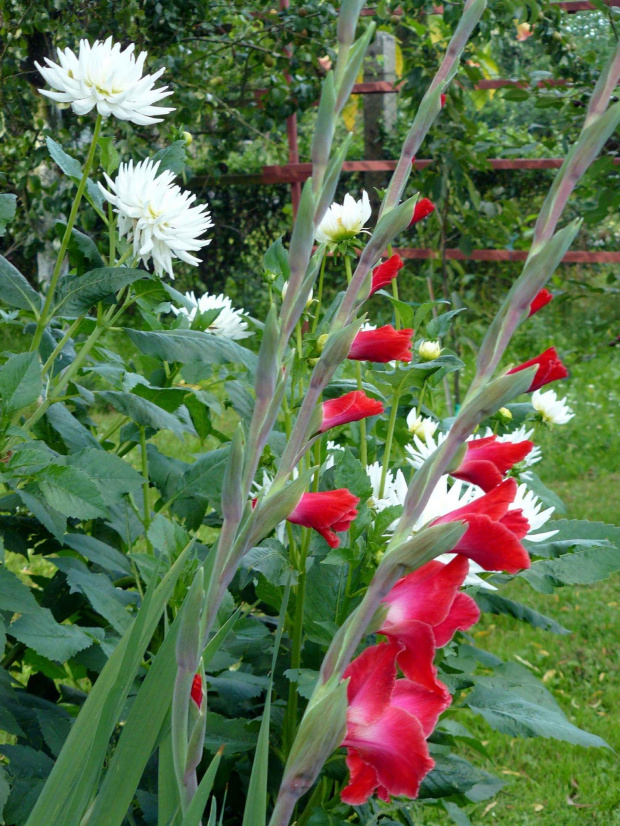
point(425, 610)
point(382, 345)
point(326, 512)
point(422, 210)
point(385, 273)
point(550, 368)
point(493, 532)
point(349, 408)
point(387, 724)
point(197, 693)
point(541, 300)
point(487, 460)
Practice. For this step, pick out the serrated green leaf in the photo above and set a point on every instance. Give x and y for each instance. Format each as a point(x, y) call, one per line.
point(73, 433)
point(275, 260)
point(39, 630)
point(187, 346)
point(50, 518)
point(113, 476)
point(8, 204)
point(440, 326)
point(14, 595)
point(580, 568)
point(493, 603)
point(171, 157)
point(103, 596)
point(143, 412)
point(98, 552)
point(77, 295)
point(20, 381)
point(15, 290)
point(70, 491)
point(230, 733)
point(70, 166)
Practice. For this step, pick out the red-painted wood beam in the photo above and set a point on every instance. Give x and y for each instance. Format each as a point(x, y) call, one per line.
point(572, 257)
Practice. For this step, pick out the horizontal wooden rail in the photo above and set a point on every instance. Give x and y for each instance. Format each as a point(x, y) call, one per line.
point(572, 257)
point(569, 6)
point(384, 87)
point(298, 172)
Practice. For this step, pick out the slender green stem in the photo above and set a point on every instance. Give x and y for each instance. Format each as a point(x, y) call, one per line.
point(45, 312)
point(397, 320)
point(388, 442)
point(319, 296)
point(60, 346)
point(358, 374)
point(298, 623)
point(111, 234)
point(145, 488)
point(127, 254)
point(112, 430)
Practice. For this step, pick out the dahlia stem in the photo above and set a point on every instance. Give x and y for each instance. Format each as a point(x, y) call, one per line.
point(388, 442)
point(145, 489)
point(38, 334)
point(358, 375)
point(397, 324)
point(60, 346)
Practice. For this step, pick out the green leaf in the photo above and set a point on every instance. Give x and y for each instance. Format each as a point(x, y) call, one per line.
point(77, 295)
point(82, 250)
point(8, 204)
point(53, 521)
point(456, 814)
point(493, 603)
point(440, 326)
point(4, 789)
point(110, 158)
point(73, 433)
point(172, 158)
point(452, 775)
point(69, 165)
point(15, 290)
point(349, 473)
point(196, 808)
point(275, 260)
point(143, 412)
point(575, 534)
point(166, 535)
point(39, 630)
point(201, 481)
point(514, 702)
point(98, 552)
point(187, 346)
point(14, 595)
point(546, 496)
point(232, 734)
point(102, 595)
point(580, 568)
point(20, 381)
point(111, 474)
point(70, 491)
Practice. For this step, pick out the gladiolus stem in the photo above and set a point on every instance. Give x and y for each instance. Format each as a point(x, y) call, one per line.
point(298, 623)
point(360, 384)
point(38, 334)
point(145, 488)
point(319, 297)
point(388, 442)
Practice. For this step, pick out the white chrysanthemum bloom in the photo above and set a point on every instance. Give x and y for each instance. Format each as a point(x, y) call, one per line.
point(552, 410)
point(285, 290)
point(332, 450)
point(104, 77)
point(429, 350)
point(229, 322)
point(531, 506)
point(344, 221)
point(394, 491)
point(422, 428)
point(157, 215)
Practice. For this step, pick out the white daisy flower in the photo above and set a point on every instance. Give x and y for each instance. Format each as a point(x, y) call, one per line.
point(157, 215)
point(104, 77)
point(229, 322)
point(394, 491)
point(552, 410)
point(531, 506)
point(423, 430)
point(344, 221)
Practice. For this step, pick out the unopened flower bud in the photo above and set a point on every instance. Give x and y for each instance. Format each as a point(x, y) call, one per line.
point(321, 342)
point(505, 413)
point(429, 350)
point(187, 137)
point(312, 362)
point(285, 290)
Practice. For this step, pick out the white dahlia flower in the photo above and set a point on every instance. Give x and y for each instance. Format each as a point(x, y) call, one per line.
point(394, 491)
point(422, 429)
point(552, 410)
point(157, 215)
point(103, 76)
point(229, 322)
point(531, 506)
point(343, 222)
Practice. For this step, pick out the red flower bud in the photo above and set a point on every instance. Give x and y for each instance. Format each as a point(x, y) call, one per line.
point(423, 209)
point(382, 345)
point(550, 368)
point(197, 693)
point(442, 98)
point(386, 272)
point(349, 408)
point(541, 300)
point(487, 460)
point(326, 512)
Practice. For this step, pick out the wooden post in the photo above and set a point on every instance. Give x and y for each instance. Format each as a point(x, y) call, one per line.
point(379, 109)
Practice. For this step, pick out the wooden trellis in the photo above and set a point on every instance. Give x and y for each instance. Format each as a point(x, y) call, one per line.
point(295, 173)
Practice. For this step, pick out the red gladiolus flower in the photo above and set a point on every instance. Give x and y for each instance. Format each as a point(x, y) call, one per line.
point(387, 724)
point(422, 209)
point(541, 300)
point(425, 610)
point(442, 98)
point(550, 368)
point(326, 512)
point(487, 460)
point(493, 532)
point(197, 693)
point(382, 345)
point(385, 273)
point(349, 408)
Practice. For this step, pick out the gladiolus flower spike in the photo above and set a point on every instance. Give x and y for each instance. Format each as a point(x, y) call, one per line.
point(349, 408)
point(382, 345)
point(493, 534)
point(541, 300)
point(385, 273)
point(550, 368)
point(326, 512)
point(487, 461)
point(197, 693)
